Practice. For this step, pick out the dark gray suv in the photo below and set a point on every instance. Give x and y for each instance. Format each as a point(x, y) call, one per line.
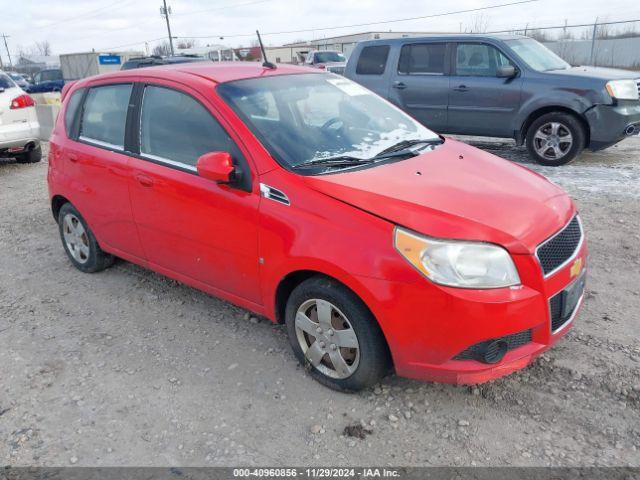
point(502, 86)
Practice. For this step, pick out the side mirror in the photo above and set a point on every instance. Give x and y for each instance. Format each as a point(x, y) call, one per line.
point(217, 166)
point(506, 71)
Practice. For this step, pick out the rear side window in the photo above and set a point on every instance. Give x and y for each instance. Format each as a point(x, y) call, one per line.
point(177, 128)
point(105, 114)
point(72, 110)
point(426, 58)
point(372, 60)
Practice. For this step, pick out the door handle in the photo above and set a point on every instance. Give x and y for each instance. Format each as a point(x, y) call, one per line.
point(73, 157)
point(399, 85)
point(144, 180)
point(461, 88)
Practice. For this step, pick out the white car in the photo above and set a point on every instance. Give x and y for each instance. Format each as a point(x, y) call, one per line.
point(19, 128)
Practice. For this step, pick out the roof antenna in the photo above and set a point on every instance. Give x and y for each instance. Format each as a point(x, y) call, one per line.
point(266, 63)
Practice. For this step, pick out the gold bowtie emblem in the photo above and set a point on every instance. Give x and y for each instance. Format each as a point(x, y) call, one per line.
point(576, 268)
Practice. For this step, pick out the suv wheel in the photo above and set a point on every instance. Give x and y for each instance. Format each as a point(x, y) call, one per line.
point(334, 335)
point(79, 242)
point(33, 155)
point(555, 139)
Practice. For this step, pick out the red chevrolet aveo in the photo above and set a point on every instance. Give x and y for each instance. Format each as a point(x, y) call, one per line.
point(303, 197)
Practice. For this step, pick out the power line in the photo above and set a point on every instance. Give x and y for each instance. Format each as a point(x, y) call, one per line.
point(456, 12)
point(382, 22)
point(89, 13)
point(564, 26)
point(225, 7)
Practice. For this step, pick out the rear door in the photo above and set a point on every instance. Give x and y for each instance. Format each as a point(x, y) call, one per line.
point(96, 161)
point(480, 103)
point(420, 83)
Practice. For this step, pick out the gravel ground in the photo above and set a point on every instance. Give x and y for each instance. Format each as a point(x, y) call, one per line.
point(127, 367)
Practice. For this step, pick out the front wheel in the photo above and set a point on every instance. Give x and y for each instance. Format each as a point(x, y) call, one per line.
point(335, 336)
point(555, 139)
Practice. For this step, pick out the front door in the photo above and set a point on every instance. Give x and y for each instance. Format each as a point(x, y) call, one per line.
point(188, 225)
point(481, 103)
point(420, 84)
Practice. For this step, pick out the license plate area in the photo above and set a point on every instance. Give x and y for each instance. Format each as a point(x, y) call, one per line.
point(562, 305)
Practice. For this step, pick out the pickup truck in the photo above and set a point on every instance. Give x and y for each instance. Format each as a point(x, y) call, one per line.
point(506, 86)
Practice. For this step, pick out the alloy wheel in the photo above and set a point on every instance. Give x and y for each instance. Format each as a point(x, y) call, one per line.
point(327, 338)
point(75, 238)
point(552, 140)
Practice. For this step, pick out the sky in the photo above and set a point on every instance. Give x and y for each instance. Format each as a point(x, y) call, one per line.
point(116, 25)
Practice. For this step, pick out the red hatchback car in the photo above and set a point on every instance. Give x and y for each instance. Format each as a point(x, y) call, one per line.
point(304, 197)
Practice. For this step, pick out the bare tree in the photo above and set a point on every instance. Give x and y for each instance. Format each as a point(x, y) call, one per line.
point(43, 48)
point(478, 24)
point(162, 49)
point(182, 44)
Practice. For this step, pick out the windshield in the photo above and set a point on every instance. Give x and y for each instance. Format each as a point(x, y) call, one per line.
point(324, 57)
point(536, 55)
point(300, 118)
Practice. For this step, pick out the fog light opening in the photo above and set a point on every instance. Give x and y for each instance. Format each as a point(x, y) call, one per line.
point(494, 351)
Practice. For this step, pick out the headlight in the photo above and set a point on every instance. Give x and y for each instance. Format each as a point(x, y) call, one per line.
point(457, 263)
point(623, 89)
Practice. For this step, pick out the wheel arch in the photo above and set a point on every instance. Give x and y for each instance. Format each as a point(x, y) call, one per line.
point(57, 201)
point(537, 113)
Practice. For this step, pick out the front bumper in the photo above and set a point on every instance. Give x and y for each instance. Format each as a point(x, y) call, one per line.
point(427, 326)
point(607, 123)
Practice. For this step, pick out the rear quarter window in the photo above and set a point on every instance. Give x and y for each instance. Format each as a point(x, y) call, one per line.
point(5, 81)
point(372, 60)
point(72, 111)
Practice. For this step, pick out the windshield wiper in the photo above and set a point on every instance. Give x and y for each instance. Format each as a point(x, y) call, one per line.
point(339, 161)
point(403, 148)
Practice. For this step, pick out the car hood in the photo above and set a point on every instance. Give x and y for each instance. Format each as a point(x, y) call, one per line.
point(597, 73)
point(457, 191)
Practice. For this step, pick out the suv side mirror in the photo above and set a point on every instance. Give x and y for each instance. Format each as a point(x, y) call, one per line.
point(506, 71)
point(217, 166)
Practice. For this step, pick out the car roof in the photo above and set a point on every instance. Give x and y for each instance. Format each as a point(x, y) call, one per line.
point(449, 37)
point(218, 72)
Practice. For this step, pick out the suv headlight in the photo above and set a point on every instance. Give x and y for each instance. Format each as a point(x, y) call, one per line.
point(623, 89)
point(457, 263)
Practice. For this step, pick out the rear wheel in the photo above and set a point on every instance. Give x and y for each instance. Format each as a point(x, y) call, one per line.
point(31, 155)
point(555, 138)
point(79, 242)
point(334, 335)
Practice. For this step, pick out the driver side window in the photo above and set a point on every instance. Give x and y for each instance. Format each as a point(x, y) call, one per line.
point(478, 60)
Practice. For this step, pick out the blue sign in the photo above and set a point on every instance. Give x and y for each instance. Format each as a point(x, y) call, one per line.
point(109, 59)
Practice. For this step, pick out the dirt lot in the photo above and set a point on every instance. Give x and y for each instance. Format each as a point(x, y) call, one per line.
point(126, 367)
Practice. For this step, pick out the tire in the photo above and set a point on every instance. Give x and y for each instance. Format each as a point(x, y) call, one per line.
point(33, 155)
point(79, 242)
point(361, 367)
point(557, 152)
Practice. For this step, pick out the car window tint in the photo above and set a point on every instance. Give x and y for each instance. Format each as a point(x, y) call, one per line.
point(422, 58)
point(5, 81)
point(479, 60)
point(105, 114)
point(176, 127)
point(72, 110)
point(372, 60)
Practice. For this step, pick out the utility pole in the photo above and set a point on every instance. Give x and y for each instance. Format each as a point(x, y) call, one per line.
point(166, 12)
point(593, 41)
point(4, 37)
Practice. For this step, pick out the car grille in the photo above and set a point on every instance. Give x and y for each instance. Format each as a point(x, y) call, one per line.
point(559, 249)
point(638, 84)
point(477, 351)
point(337, 70)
